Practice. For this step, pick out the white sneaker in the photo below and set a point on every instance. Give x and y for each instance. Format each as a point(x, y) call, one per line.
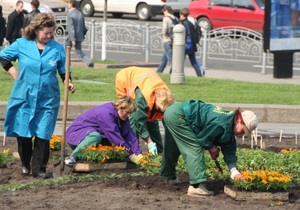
point(199, 191)
point(70, 161)
point(173, 181)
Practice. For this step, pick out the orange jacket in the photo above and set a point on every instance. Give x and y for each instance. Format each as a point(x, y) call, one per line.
point(147, 80)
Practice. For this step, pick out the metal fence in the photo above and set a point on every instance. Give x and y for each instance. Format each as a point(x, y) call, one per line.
point(128, 37)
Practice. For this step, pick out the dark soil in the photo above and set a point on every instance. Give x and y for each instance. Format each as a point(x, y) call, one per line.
point(133, 192)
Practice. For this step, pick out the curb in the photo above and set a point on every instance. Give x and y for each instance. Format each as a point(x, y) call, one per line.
point(266, 113)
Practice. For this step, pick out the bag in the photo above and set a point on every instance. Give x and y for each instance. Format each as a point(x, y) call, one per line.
point(198, 33)
point(175, 21)
point(84, 30)
point(188, 39)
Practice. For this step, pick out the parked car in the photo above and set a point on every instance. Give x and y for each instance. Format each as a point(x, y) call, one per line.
point(220, 13)
point(144, 9)
point(56, 7)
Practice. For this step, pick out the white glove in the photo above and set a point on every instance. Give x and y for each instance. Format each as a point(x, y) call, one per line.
point(152, 148)
point(235, 174)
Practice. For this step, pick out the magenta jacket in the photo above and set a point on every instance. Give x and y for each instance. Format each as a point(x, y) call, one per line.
point(104, 119)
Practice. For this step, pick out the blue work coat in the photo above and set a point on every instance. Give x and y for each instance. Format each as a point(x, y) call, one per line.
point(34, 101)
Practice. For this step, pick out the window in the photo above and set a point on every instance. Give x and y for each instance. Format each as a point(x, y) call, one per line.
point(246, 4)
point(225, 3)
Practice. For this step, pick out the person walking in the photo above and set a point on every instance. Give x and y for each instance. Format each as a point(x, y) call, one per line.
point(152, 96)
point(169, 21)
point(106, 123)
point(194, 126)
point(14, 24)
point(33, 105)
point(2, 27)
point(190, 28)
point(75, 28)
point(35, 10)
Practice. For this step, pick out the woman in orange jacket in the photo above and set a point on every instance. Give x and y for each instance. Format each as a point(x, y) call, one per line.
point(152, 96)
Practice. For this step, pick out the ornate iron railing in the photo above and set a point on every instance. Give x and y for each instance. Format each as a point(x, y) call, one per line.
point(129, 37)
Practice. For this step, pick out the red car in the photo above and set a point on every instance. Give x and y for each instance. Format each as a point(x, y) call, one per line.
point(220, 13)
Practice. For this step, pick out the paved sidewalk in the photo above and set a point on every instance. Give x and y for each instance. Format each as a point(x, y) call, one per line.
point(240, 76)
point(212, 73)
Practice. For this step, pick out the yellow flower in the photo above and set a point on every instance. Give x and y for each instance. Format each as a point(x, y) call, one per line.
point(280, 203)
point(263, 180)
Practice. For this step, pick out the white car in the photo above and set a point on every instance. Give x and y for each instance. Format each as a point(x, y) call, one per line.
point(144, 9)
point(56, 7)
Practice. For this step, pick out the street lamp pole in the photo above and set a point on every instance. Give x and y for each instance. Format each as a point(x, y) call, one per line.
point(104, 26)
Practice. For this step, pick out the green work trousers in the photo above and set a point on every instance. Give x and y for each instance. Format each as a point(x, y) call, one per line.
point(93, 138)
point(180, 139)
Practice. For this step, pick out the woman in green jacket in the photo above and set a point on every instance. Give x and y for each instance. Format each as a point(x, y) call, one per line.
point(194, 126)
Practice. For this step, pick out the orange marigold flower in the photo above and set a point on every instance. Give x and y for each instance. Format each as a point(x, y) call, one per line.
point(280, 203)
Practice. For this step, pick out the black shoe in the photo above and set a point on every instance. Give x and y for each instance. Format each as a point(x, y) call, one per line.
point(25, 170)
point(43, 175)
point(91, 65)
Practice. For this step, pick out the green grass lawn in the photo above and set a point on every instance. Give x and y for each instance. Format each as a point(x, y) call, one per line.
point(98, 85)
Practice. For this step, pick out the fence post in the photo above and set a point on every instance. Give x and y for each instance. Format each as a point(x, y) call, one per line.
point(263, 67)
point(103, 55)
point(147, 44)
point(204, 48)
point(92, 38)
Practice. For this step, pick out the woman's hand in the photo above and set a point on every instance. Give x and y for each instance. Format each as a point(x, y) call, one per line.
point(235, 174)
point(71, 87)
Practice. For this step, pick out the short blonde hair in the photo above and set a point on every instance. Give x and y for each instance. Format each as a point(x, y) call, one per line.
point(164, 98)
point(125, 102)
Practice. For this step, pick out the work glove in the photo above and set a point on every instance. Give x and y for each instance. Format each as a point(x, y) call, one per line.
point(136, 158)
point(214, 153)
point(235, 174)
point(152, 148)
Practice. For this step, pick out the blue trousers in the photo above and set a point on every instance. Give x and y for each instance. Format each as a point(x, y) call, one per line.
point(167, 56)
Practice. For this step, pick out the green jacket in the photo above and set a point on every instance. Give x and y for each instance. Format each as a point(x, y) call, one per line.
point(139, 117)
point(212, 126)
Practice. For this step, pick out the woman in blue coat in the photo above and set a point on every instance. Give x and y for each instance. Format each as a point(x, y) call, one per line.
point(106, 123)
point(34, 101)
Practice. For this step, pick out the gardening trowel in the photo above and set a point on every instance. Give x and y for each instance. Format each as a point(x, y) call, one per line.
point(218, 166)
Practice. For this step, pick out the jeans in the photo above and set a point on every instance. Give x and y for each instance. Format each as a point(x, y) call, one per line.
point(80, 53)
point(167, 56)
point(196, 65)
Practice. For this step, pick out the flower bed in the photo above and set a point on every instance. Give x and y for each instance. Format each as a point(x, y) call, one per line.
point(55, 143)
point(102, 153)
point(261, 170)
point(263, 180)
